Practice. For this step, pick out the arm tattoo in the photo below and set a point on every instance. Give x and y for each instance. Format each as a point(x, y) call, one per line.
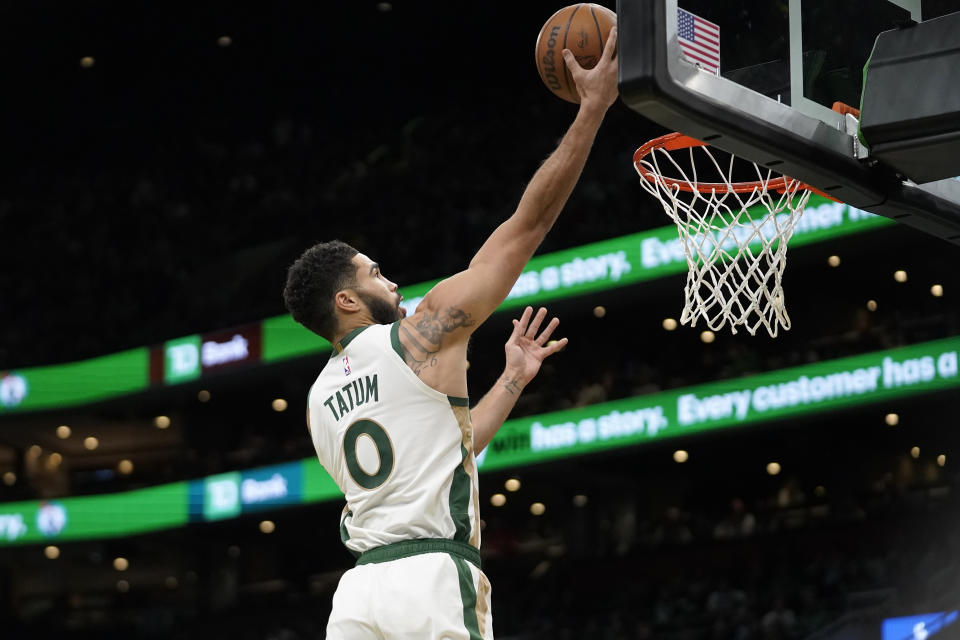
point(511, 386)
point(421, 353)
point(417, 364)
point(433, 327)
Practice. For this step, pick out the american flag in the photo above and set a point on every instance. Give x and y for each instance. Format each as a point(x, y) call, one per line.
point(699, 40)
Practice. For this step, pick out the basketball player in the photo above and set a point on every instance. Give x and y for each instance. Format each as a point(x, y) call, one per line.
point(389, 416)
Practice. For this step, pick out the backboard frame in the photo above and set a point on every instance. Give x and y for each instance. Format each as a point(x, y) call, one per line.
point(806, 141)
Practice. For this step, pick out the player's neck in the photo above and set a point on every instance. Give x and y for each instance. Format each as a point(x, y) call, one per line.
point(347, 327)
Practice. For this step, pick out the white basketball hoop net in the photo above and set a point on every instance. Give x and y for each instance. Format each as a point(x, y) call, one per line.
point(734, 234)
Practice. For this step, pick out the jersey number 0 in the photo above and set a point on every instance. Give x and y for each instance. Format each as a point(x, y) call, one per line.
point(384, 447)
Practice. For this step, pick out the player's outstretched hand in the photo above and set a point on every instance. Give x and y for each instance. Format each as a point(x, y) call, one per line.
point(598, 85)
point(525, 349)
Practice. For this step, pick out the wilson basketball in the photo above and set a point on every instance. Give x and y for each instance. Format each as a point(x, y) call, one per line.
point(583, 28)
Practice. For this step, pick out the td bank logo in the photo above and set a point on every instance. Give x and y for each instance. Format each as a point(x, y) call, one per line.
point(221, 496)
point(13, 389)
point(181, 359)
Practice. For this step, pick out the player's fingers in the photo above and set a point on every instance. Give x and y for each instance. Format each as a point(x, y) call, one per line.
point(520, 326)
point(543, 337)
point(535, 325)
point(571, 61)
point(516, 330)
point(554, 346)
point(610, 48)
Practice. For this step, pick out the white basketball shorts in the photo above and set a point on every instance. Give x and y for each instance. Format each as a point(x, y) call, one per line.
point(435, 596)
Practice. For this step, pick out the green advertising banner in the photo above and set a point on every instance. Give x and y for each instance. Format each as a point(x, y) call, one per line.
point(813, 388)
point(602, 265)
point(105, 516)
point(808, 389)
point(317, 483)
point(75, 382)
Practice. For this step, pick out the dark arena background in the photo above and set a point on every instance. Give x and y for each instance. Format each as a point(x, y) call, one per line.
point(163, 166)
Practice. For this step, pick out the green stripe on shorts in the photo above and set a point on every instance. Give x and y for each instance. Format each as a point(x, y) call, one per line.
point(468, 595)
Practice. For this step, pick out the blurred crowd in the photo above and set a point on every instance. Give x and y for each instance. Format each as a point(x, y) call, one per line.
point(739, 581)
point(196, 234)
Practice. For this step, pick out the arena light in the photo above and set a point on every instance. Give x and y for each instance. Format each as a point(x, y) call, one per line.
point(915, 453)
point(599, 311)
point(125, 467)
point(51, 552)
point(513, 484)
point(941, 459)
point(87, 61)
point(833, 261)
point(34, 451)
point(498, 499)
point(871, 305)
point(680, 456)
point(819, 491)
point(203, 395)
point(267, 526)
point(123, 586)
point(537, 508)
point(936, 291)
point(773, 468)
point(90, 443)
point(900, 275)
point(63, 432)
point(121, 564)
point(9, 478)
point(224, 41)
point(669, 324)
point(707, 336)
point(279, 405)
point(54, 461)
point(161, 422)
point(580, 500)
point(892, 419)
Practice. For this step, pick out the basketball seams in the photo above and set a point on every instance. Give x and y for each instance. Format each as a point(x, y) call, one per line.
point(566, 70)
point(596, 22)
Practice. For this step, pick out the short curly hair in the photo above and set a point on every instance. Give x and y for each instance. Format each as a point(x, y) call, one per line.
point(312, 282)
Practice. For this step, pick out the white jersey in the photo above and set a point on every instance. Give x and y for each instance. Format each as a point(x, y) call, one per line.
point(401, 451)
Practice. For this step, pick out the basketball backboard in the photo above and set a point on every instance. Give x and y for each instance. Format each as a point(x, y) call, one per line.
point(757, 78)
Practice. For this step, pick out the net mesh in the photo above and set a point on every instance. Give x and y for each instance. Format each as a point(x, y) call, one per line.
point(734, 234)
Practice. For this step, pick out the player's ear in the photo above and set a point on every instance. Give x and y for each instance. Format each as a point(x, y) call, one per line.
point(346, 300)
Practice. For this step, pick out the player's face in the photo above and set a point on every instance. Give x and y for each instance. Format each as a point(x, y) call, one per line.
point(376, 292)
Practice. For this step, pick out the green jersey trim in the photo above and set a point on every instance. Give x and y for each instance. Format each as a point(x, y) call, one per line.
point(468, 596)
point(339, 346)
point(407, 548)
point(344, 535)
point(460, 488)
point(395, 340)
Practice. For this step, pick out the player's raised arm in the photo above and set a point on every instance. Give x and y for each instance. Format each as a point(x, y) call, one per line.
point(525, 351)
point(474, 293)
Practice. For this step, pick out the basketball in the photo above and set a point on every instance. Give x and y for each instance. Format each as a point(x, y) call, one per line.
point(583, 28)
